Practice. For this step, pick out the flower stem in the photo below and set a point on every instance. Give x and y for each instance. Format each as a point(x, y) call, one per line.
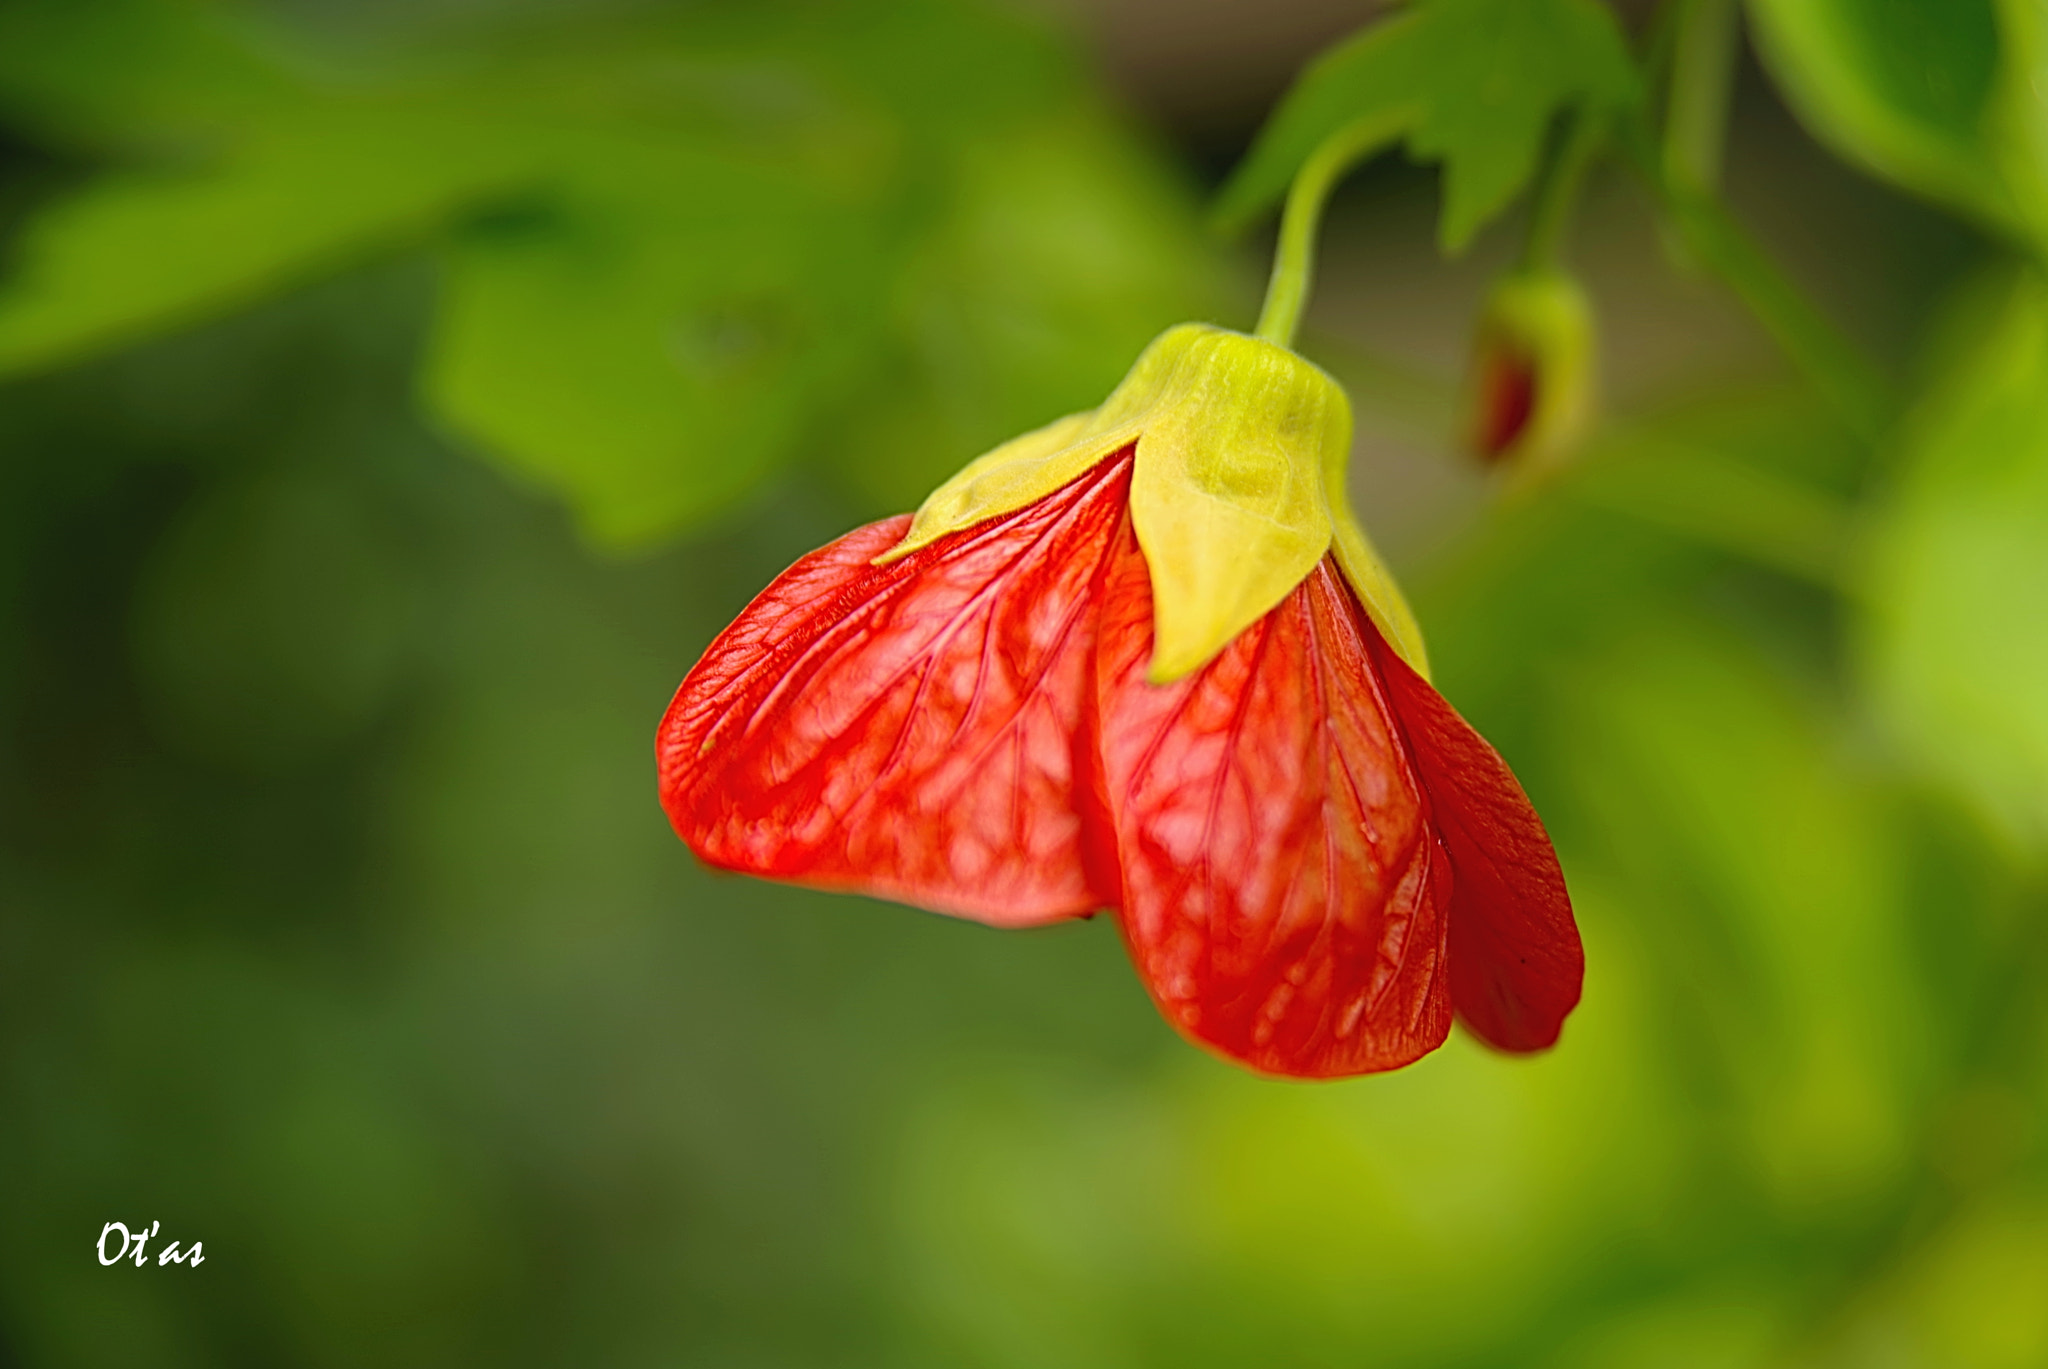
point(1559, 191)
point(1294, 257)
point(1702, 75)
point(1838, 368)
point(1697, 43)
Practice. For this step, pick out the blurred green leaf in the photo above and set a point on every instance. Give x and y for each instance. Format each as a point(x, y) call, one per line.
point(1064, 250)
point(678, 247)
point(143, 250)
point(1955, 604)
point(1942, 97)
point(2022, 112)
point(651, 340)
point(135, 75)
point(1473, 84)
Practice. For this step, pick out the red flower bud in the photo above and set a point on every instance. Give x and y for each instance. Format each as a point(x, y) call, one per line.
point(1506, 381)
point(1532, 372)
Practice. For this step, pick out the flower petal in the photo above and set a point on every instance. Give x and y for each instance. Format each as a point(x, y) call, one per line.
point(908, 730)
point(1284, 897)
point(1516, 962)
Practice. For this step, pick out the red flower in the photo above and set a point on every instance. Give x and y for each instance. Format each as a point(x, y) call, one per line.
point(1314, 860)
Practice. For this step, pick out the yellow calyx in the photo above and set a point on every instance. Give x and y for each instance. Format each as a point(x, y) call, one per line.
point(1237, 489)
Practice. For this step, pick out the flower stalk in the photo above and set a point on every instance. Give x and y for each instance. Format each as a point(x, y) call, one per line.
point(1696, 48)
point(1702, 77)
point(1294, 257)
point(1558, 193)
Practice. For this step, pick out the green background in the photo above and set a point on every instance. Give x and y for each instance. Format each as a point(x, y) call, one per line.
point(398, 397)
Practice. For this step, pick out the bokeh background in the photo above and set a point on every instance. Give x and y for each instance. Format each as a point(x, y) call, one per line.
point(399, 394)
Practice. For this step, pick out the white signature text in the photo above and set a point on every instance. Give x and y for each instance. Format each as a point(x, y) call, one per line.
point(138, 1239)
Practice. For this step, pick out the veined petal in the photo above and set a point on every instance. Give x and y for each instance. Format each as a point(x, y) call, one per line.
point(1022, 471)
point(908, 729)
point(1284, 896)
point(1516, 961)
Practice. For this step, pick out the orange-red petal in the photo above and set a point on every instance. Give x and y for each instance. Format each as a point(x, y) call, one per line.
point(1315, 860)
point(1516, 962)
point(908, 730)
point(1284, 894)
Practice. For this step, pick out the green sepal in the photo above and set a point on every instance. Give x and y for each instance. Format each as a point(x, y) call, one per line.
point(1237, 489)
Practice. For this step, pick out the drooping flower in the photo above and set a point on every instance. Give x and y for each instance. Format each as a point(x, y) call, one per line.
point(1144, 660)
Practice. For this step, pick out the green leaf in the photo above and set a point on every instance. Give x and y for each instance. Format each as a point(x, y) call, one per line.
point(675, 245)
point(1955, 604)
point(1063, 252)
point(2022, 112)
point(124, 73)
point(1473, 84)
point(140, 252)
point(652, 341)
point(1941, 97)
point(230, 172)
